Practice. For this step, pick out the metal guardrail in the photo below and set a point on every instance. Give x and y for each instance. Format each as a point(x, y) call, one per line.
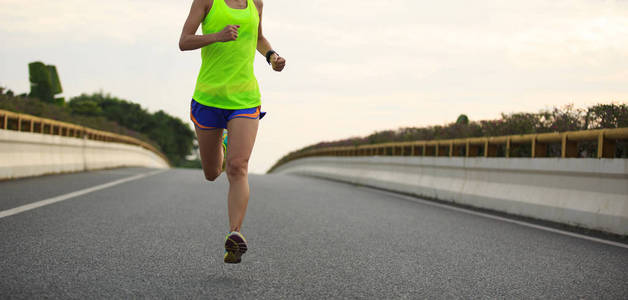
point(28, 123)
point(480, 146)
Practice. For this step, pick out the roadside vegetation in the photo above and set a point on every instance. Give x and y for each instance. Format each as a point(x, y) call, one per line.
point(568, 118)
point(104, 112)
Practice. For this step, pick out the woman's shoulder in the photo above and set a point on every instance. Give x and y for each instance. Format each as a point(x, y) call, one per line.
point(258, 3)
point(205, 4)
point(208, 5)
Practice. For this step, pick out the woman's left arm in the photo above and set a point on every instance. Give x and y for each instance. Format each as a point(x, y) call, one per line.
point(263, 46)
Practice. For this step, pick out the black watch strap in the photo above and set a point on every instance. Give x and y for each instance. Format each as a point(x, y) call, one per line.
point(268, 54)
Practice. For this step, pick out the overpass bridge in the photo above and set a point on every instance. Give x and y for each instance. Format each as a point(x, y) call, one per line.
point(460, 222)
point(134, 232)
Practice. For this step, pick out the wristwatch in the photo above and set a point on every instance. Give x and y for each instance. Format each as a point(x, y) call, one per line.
point(268, 54)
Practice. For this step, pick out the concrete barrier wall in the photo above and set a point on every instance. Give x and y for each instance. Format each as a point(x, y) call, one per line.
point(24, 154)
point(590, 193)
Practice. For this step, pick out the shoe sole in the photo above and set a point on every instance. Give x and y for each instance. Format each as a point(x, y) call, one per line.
point(235, 247)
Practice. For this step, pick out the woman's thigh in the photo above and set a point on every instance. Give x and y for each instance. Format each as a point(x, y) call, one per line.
point(210, 148)
point(242, 133)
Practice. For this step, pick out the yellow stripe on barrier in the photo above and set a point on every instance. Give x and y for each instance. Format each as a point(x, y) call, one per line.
point(488, 146)
point(69, 130)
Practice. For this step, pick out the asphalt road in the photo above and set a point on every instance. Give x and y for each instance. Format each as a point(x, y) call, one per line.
point(162, 237)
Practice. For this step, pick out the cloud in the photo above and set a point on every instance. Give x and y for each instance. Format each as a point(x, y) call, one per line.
point(354, 66)
point(593, 42)
point(77, 20)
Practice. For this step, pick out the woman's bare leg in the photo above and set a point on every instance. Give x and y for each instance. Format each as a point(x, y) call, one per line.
point(210, 147)
point(242, 132)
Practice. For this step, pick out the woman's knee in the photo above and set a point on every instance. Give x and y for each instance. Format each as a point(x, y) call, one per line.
point(212, 175)
point(237, 168)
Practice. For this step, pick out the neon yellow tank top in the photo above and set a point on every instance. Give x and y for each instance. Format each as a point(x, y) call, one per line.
point(226, 79)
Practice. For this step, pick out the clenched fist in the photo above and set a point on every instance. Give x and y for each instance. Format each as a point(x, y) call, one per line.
point(277, 62)
point(230, 33)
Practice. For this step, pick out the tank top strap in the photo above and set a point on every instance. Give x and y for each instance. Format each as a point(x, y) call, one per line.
point(252, 7)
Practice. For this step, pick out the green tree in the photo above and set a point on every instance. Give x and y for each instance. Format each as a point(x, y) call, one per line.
point(462, 120)
point(607, 116)
point(85, 107)
point(174, 137)
point(45, 83)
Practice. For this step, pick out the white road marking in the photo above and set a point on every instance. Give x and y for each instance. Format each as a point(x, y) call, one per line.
point(27, 207)
point(485, 215)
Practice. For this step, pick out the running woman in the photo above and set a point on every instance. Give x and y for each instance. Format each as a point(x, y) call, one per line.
point(227, 97)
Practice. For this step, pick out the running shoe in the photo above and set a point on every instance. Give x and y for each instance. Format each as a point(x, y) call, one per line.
point(235, 246)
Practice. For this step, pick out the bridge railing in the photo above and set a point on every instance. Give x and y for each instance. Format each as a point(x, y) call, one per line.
point(604, 139)
point(28, 123)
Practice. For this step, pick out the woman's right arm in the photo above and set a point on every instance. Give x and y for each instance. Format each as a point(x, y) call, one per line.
point(190, 40)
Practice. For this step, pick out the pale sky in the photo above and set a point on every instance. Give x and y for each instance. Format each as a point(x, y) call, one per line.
point(353, 67)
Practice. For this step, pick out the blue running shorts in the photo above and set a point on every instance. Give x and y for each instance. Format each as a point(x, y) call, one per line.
point(207, 117)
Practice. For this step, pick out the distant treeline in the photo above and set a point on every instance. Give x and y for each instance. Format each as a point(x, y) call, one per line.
point(557, 119)
point(174, 137)
point(105, 112)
